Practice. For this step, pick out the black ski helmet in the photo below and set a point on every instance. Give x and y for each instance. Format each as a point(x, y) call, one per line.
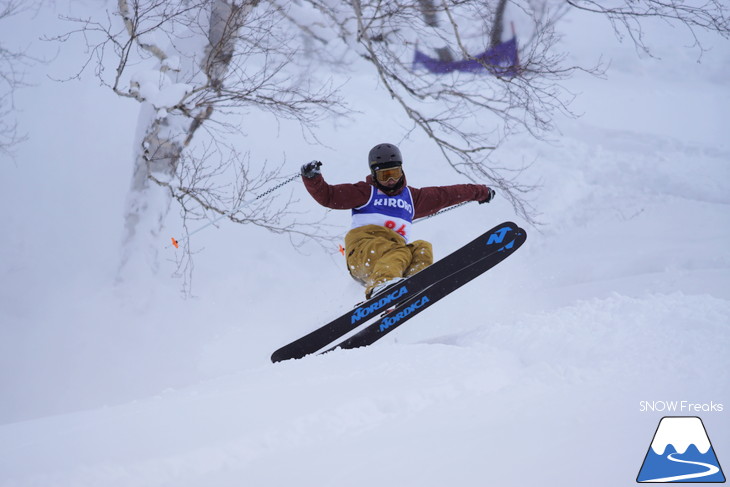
point(384, 155)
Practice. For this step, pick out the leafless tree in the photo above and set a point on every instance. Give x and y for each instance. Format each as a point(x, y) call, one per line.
point(190, 64)
point(12, 63)
point(251, 57)
point(467, 116)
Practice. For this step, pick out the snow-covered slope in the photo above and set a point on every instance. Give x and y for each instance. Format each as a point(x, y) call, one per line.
point(534, 374)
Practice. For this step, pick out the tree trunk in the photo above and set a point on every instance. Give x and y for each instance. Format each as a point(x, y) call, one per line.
point(498, 25)
point(162, 137)
point(157, 154)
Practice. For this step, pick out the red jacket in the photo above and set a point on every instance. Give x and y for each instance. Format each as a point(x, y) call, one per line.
point(426, 201)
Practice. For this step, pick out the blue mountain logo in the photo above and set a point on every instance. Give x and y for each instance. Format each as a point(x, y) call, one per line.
point(681, 452)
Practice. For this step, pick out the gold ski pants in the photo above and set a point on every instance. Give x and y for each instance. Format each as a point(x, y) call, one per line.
point(377, 254)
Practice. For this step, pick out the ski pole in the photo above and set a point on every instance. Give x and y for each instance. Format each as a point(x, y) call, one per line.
point(441, 211)
point(452, 208)
point(176, 242)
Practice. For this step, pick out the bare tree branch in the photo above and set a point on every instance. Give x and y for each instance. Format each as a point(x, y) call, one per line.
point(12, 77)
point(192, 63)
point(626, 17)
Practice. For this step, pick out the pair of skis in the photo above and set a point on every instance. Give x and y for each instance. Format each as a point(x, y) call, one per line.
point(401, 302)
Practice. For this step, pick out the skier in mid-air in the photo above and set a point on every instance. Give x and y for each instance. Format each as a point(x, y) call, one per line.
point(378, 247)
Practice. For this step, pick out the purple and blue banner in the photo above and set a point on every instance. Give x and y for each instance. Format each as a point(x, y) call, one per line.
point(500, 60)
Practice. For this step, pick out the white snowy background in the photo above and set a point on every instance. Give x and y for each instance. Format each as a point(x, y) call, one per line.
point(533, 374)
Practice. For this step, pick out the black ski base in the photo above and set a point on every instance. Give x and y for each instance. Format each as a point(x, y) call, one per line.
point(408, 295)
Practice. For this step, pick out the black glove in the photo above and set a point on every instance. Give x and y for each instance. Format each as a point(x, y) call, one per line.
point(490, 197)
point(311, 169)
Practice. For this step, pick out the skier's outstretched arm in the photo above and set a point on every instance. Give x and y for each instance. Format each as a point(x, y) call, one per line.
point(335, 196)
point(429, 200)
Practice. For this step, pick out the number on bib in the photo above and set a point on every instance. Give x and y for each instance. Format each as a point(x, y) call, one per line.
point(391, 224)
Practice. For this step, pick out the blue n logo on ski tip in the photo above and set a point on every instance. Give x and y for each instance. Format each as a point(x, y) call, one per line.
point(498, 236)
point(680, 452)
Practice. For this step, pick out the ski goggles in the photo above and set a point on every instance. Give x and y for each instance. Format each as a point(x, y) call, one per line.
point(384, 175)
